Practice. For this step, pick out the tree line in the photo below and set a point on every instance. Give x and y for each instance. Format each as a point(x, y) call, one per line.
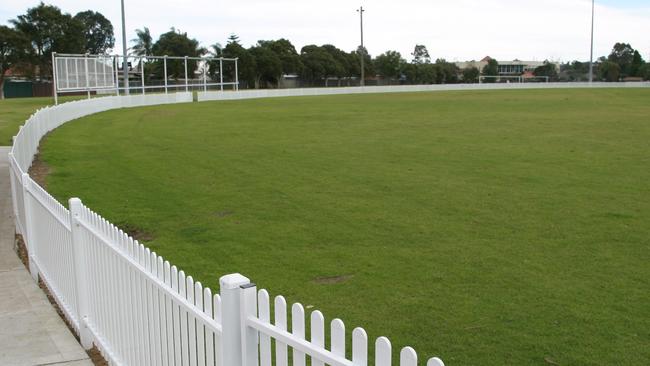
point(27, 46)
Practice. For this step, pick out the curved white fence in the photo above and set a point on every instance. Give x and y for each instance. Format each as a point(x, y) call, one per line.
point(138, 308)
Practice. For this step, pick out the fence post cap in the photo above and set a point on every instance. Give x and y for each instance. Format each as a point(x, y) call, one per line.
point(74, 201)
point(232, 281)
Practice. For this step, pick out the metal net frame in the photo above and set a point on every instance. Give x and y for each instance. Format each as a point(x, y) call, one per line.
point(85, 73)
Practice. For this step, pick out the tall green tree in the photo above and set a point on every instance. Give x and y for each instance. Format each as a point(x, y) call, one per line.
point(622, 54)
point(428, 73)
point(268, 66)
point(246, 65)
point(287, 53)
point(410, 71)
point(176, 43)
point(389, 64)
point(491, 69)
point(609, 71)
point(368, 65)
point(577, 71)
point(636, 66)
point(97, 31)
point(14, 49)
point(339, 68)
point(471, 74)
point(143, 42)
point(316, 62)
point(447, 72)
point(548, 69)
point(420, 55)
point(49, 30)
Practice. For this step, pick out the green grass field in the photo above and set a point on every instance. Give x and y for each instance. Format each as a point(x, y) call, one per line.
point(14, 112)
point(488, 228)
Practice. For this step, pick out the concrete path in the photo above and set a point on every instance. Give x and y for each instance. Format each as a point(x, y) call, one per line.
point(31, 332)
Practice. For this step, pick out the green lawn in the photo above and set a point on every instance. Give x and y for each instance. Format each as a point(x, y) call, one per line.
point(486, 227)
point(14, 112)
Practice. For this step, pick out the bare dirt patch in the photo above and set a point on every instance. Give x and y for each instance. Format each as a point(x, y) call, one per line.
point(39, 170)
point(137, 233)
point(21, 250)
point(224, 213)
point(332, 280)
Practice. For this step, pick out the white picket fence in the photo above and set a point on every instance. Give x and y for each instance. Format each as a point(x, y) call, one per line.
point(138, 308)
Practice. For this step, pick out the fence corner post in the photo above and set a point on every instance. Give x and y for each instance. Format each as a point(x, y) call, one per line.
point(28, 235)
point(231, 347)
point(79, 260)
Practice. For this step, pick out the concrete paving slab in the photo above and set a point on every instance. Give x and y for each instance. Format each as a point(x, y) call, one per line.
point(31, 332)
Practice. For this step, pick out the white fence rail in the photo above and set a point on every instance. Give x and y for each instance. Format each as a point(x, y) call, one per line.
point(139, 309)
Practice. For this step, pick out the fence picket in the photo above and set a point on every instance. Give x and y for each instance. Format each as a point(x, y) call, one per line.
point(338, 337)
point(155, 305)
point(408, 357)
point(280, 322)
point(209, 335)
point(182, 283)
point(264, 315)
point(435, 361)
point(200, 332)
point(298, 330)
point(169, 318)
point(383, 352)
point(191, 323)
point(359, 347)
point(317, 334)
point(162, 313)
point(176, 317)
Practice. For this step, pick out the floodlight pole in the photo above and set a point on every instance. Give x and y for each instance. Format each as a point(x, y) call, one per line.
point(124, 50)
point(591, 55)
point(363, 76)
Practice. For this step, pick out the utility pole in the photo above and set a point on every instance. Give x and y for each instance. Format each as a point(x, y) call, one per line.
point(125, 64)
point(363, 50)
point(591, 55)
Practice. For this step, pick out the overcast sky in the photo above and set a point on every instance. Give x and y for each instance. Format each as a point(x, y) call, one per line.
point(457, 30)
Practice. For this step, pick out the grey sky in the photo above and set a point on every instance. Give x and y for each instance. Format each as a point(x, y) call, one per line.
point(455, 30)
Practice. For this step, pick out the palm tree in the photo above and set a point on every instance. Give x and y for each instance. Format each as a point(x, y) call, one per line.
point(144, 42)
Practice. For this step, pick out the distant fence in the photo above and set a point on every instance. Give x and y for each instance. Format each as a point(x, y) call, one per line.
point(274, 93)
point(27, 89)
point(138, 308)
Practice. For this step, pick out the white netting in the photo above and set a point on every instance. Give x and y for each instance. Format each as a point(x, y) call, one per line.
point(84, 73)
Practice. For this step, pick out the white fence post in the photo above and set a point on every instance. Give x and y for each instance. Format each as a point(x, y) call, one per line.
point(231, 348)
point(249, 336)
point(28, 235)
point(79, 260)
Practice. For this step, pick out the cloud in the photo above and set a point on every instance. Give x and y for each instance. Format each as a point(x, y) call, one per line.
point(455, 30)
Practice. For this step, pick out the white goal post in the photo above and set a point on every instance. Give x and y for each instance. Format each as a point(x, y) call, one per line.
point(86, 73)
point(512, 78)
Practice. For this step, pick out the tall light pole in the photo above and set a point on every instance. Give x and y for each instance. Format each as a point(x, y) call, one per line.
point(125, 66)
point(591, 55)
point(363, 51)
